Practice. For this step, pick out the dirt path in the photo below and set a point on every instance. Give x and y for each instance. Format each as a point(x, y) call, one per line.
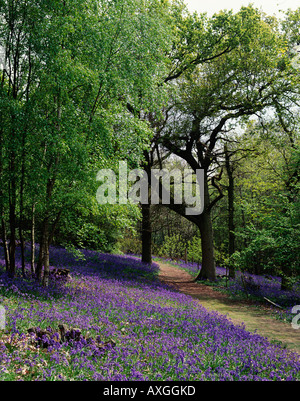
point(253, 317)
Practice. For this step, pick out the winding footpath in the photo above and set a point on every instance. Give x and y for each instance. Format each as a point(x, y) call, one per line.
point(257, 319)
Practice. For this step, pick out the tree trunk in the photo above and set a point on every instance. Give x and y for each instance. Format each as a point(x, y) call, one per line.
point(3, 226)
point(146, 216)
point(45, 241)
point(43, 260)
point(46, 255)
point(4, 236)
point(146, 234)
point(39, 266)
point(286, 284)
point(32, 240)
point(12, 223)
point(208, 269)
point(204, 223)
point(231, 227)
point(5, 247)
point(22, 184)
point(22, 244)
point(12, 188)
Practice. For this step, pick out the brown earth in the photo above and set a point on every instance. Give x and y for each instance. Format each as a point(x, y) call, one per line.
point(256, 318)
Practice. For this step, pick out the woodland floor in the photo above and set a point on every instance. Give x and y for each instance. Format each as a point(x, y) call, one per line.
point(256, 318)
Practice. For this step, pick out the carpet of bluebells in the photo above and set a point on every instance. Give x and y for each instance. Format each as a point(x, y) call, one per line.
point(150, 331)
point(254, 287)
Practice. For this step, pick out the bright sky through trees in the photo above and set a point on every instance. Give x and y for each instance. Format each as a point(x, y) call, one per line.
point(268, 6)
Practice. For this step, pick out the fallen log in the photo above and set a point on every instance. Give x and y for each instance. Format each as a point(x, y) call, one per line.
point(273, 303)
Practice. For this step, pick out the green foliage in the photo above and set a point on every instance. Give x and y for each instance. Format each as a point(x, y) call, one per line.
point(194, 252)
point(101, 228)
point(70, 72)
point(268, 241)
point(130, 244)
point(173, 247)
point(275, 251)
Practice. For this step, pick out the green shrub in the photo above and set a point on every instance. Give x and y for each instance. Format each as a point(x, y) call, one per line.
point(173, 247)
point(131, 244)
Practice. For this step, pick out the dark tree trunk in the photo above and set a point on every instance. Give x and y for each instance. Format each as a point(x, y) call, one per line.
point(146, 235)
point(231, 227)
point(12, 196)
point(3, 226)
point(45, 241)
point(5, 246)
point(12, 223)
point(39, 266)
point(208, 268)
point(22, 242)
point(22, 205)
point(146, 216)
point(204, 223)
point(32, 258)
point(46, 254)
point(286, 284)
point(43, 260)
point(22, 245)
